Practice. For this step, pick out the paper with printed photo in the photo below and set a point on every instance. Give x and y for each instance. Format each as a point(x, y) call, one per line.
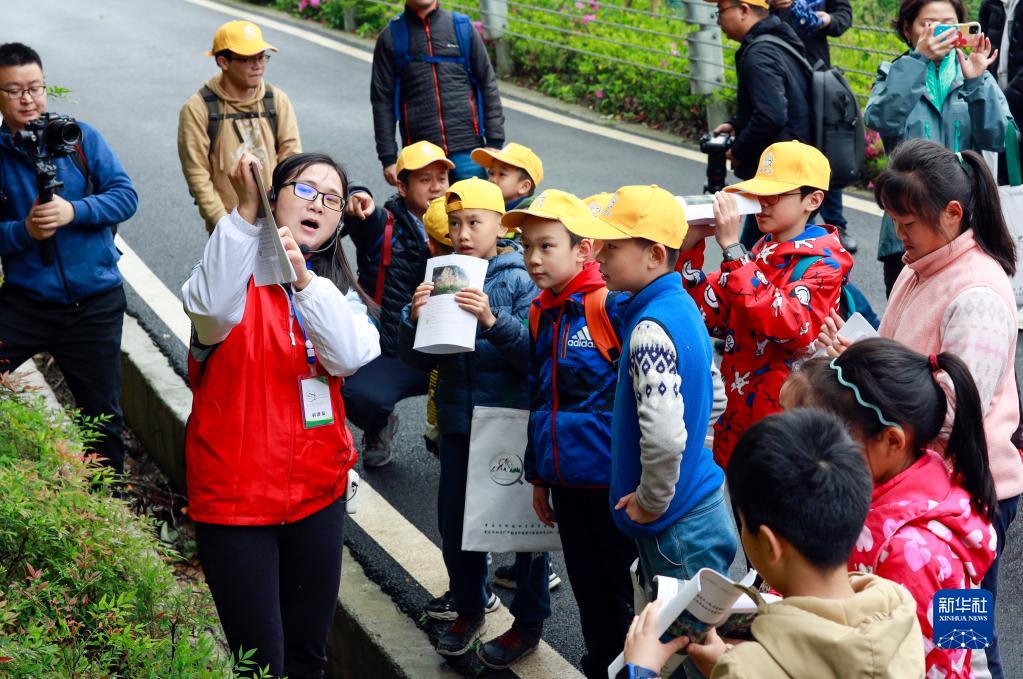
point(443, 327)
point(272, 264)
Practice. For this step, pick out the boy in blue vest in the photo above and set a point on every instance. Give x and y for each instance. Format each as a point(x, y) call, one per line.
point(666, 490)
point(574, 325)
point(391, 247)
point(491, 375)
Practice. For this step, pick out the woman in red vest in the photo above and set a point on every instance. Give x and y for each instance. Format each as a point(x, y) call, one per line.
point(267, 448)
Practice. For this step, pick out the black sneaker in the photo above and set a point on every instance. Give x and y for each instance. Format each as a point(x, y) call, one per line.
point(462, 634)
point(504, 576)
point(847, 241)
point(443, 607)
point(508, 648)
point(376, 448)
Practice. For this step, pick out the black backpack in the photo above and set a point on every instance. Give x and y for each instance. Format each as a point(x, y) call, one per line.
point(836, 116)
point(215, 117)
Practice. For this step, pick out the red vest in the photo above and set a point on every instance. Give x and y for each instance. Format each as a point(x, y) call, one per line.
point(249, 458)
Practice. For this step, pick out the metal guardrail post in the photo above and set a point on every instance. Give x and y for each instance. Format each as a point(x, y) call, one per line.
point(495, 22)
point(707, 65)
point(349, 17)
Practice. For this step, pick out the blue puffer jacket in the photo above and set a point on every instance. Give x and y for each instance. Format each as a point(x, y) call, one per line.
point(495, 373)
point(85, 259)
point(572, 390)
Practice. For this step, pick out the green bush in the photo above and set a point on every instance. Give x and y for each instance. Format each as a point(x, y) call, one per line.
point(84, 590)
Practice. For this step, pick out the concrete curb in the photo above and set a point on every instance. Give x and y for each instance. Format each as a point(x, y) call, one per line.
point(370, 636)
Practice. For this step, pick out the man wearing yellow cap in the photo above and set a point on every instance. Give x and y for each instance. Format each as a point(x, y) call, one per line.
point(768, 305)
point(235, 112)
point(773, 88)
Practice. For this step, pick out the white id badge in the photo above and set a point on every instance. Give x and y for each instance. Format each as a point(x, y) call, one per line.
point(316, 407)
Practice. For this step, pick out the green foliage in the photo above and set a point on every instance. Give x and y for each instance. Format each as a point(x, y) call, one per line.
point(84, 591)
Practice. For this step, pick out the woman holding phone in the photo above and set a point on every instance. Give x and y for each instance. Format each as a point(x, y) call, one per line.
point(267, 448)
point(935, 91)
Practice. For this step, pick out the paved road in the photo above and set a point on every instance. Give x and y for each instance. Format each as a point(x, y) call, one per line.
point(130, 65)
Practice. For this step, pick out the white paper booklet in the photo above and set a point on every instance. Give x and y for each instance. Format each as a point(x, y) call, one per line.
point(700, 209)
point(691, 607)
point(855, 329)
point(272, 264)
point(443, 327)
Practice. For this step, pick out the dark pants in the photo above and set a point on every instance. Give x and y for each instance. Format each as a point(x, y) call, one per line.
point(892, 265)
point(1006, 513)
point(84, 339)
point(276, 587)
point(831, 210)
point(371, 394)
point(597, 557)
point(467, 571)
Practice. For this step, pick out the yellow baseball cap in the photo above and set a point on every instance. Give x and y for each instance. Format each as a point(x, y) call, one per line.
point(752, 3)
point(436, 221)
point(785, 166)
point(241, 37)
point(558, 205)
point(515, 155)
point(419, 155)
point(474, 193)
point(598, 201)
point(648, 212)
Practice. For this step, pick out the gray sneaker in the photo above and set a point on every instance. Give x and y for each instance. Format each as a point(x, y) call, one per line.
point(376, 448)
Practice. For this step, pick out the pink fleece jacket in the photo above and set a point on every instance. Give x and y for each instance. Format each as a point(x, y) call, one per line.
point(958, 299)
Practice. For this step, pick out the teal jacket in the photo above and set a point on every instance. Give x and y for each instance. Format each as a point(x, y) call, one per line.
point(973, 117)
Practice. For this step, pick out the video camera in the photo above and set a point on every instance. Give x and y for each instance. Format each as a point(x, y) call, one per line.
point(716, 146)
point(48, 137)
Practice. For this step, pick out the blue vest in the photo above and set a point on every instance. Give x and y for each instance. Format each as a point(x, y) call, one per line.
point(665, 302)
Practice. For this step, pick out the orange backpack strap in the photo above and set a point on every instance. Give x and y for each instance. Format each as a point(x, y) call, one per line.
point(534, 319)
point(385, 259)
point(601, 330)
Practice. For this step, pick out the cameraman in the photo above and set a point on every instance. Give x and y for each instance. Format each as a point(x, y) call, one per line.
point(62, 291)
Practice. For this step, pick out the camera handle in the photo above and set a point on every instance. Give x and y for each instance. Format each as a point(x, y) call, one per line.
point(47, 184)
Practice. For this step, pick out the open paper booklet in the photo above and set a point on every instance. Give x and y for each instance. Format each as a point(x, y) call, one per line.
point(272, 264)
point(444, 327)
point(700, 209)
point(691, 607)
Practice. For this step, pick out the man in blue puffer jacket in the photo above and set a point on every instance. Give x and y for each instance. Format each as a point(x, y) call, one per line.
point(71, 304)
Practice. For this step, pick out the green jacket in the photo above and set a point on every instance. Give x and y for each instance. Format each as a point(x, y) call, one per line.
point(973, 116)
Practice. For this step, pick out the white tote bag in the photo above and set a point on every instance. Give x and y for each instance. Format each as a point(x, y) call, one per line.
point(499, 514)
point(1012, 207)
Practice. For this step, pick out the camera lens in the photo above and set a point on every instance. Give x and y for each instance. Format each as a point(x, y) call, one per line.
point(69, 133)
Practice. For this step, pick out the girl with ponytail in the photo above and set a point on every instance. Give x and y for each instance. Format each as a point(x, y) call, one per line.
point(954, 295)
point(929, 524)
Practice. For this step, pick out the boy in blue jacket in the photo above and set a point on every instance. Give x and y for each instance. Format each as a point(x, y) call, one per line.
point(62, 291)
point(491, 375)
point(666, 489)
point(574, 324)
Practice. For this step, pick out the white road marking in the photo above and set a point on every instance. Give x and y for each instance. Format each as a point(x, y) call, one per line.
point(539, 112)
point(158, 296)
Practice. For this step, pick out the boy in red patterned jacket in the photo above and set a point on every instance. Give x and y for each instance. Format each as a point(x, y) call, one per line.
point(768, 304)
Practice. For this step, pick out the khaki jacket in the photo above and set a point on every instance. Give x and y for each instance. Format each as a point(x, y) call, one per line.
point(873, 634)
point(207, 173)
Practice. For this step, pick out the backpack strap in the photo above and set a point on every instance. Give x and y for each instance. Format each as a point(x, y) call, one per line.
point(463, 34)
point(271, 110)
point(534, 319)
point(399, 40)
point(801, 267)
point(793, 52)
point(602, 332)
point(385, 259)
point(82, 163)
point(213, 116)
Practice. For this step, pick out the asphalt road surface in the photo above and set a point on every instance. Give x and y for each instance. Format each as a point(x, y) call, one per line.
point(131, 63)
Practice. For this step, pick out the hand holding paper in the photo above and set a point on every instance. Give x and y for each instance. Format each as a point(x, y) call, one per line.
point(450, 304)
point(643, 645)
point(274, 266)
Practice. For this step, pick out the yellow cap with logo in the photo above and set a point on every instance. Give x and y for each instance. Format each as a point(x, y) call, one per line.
point(419, 155)
point(515, 155)
point(559, 206)
point(648, 212)
point(597, 201)
point(753, 3)
point(474, 194)
point(786, 166)
point(241, 37)
point(436, 221)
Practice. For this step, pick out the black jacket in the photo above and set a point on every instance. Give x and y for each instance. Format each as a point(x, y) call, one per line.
point(817, 44)
point(408, 263)
point(773, 101)
point(438, 102)
point(992, 22)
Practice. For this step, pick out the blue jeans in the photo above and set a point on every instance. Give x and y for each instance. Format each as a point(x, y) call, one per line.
point(465, 167)
point(1006, 513)
point(467, 571)
point(703, 538)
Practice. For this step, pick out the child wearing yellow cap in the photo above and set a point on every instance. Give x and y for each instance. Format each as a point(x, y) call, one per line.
point(574, 325)
point(391, 247)
point(515, 168)
point(767, 305)
point(494, 374)
point(665, 489)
